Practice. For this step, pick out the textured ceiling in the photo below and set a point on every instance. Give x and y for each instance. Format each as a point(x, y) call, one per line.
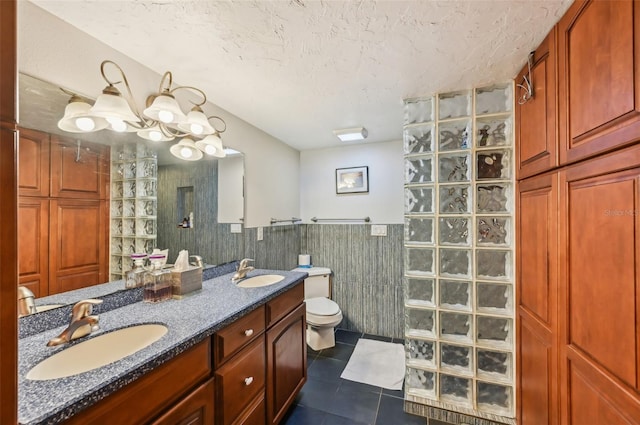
point(299, 69)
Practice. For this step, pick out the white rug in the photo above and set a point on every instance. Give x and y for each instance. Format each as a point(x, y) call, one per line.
point(376, 363)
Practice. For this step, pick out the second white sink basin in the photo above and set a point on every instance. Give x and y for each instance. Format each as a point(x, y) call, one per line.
point(97, 352)
point(262, 280)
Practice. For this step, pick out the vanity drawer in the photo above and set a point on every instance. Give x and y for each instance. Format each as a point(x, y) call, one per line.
point(238, 334)
point(280, 306)
point(239, 382)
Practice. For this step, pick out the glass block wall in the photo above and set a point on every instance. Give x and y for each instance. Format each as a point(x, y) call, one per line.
point(459, 251)
point(134, 176)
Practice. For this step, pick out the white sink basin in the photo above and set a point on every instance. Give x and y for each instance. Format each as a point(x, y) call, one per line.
point(97, 352)
point(262, 280)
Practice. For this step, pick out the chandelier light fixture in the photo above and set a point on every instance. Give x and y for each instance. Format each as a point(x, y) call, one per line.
point(161, 121)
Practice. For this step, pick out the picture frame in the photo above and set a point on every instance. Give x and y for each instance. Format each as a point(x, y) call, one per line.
point(352, 180)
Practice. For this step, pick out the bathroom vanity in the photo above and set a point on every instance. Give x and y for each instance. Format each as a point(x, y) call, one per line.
point(231, 355)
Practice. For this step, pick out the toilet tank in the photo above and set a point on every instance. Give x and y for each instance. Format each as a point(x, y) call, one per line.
point(318, 284)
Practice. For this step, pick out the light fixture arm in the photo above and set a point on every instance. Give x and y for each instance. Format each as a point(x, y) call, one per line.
point(221, 120)
point(129, 97)
point(195, 89)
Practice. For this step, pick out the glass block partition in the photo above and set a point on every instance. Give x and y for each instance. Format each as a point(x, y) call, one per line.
point(459, 252)
point(133, 225)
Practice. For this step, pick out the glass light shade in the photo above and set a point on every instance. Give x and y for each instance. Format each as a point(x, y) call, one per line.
point(77, 119)
point(196, 123)
point(186, 149)
point(119, 126)
point(165, 109)
point(154, 134)
point(212, 145)
point(113, 106)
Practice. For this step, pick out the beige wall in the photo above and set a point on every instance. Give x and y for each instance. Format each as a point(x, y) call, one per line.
point(54, 51)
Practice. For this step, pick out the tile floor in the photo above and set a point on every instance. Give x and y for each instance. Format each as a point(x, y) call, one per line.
point(327, 399)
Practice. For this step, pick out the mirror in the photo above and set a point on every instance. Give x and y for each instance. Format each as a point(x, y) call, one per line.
point(211, 189)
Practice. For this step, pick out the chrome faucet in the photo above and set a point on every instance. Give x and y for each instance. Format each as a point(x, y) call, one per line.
point(243, 269)
point(82, 323)
point(26, 303)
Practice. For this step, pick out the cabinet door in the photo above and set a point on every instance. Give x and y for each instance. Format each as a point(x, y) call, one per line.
point(33, 159)
point(536, 141)
point(79, 171)
point(599, 82)
point(600, 290)
point(286, 363)
point(33, 245)
point(78, 240)
point(194, 409)
point(536, 294)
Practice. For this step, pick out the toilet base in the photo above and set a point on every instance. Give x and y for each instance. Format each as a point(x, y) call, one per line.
point(319, 338)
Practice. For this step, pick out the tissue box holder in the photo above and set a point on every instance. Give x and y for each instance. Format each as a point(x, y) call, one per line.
point(186, 281)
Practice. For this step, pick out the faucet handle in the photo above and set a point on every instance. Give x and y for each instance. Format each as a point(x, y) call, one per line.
point(244, 262)
point(84, 308)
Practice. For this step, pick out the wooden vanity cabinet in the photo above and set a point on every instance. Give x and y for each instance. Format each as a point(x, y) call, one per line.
point(175, 387)
point(286, 351)
point(194, 409)
point(261, 362)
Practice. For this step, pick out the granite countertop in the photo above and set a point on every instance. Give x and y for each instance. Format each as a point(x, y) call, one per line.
point(189, 321)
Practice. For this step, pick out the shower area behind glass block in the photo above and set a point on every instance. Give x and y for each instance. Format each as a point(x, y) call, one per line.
point(133, 215)
point(459, 256)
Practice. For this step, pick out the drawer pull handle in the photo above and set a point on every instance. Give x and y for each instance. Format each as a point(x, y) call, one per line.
point(248, 381)
point(248, 332)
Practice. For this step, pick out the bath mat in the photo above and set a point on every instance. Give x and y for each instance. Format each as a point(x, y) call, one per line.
point(376, 363)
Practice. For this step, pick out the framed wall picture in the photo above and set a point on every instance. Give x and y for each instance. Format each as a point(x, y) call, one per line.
point(352, 180)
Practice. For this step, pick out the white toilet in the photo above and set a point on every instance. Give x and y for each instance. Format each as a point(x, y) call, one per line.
point(323, 314)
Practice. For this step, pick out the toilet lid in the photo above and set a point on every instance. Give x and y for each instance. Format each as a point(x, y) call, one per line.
point(322, 306)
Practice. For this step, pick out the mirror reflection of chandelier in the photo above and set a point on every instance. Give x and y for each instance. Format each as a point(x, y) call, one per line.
point(161, 121)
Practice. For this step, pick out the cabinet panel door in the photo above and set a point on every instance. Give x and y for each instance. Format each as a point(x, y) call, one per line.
point(537, 287)
point(536, 141)
point(599, 82)
point(78, 243)
point(79, 172)
point(536, 396)
point(286, 363)
point(33, 245)
point(537, 247)
point(33, 159)
point(194, 409)
point(600, 282)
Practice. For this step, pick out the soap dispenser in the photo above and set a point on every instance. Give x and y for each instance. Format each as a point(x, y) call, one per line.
point(135, 276)
point(157, 281)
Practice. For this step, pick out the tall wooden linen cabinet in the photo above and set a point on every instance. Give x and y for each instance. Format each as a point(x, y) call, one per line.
point(578, 221)
point(63, 216)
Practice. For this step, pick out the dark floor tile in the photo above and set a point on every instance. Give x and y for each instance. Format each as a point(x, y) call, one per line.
point(302, 415)
point(340, 351)
point(391, 412)
point(348, 385)
point(317, 394)
point(394, 393)
point(326, 369)
point(311, 351)
point(360, 406)
point(339, 420)
point(347, 337)
point(378, 338)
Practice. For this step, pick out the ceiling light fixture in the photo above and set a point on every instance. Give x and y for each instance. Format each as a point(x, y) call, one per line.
point(351, 134)
point(162, 120)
